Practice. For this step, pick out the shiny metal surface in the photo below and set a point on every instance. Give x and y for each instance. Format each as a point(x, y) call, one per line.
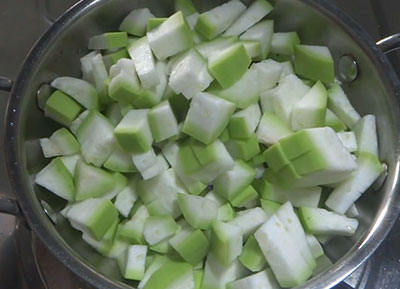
point(71, 52)
point(389, 43)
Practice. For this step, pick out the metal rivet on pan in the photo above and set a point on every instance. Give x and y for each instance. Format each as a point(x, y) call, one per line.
point(347, 68)
point(49, 212)
point(381, 179)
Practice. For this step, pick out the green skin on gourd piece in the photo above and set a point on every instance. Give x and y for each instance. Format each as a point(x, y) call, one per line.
point(56, 178)
point(109, 40)
point(191, 245)
point(154, 22)
point(314, 62)
point(133, 132)
point(62, 108)
point(229, 65)
point(170, 273)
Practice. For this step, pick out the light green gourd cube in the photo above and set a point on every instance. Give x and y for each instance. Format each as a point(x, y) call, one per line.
point(290, 220)
point(254, 13)
point(231, 183)
point(208, 48)
point(191, 245)
point(244, 149)
point(321, 221)
point(198, 278)
point(135, 22)
point(244, 122)
point(165, 183)
point(86, 66)
point(310, 110)
point(245, 197)
point(171, 153)
point(217, 276)
point(189, 74)
point(323, 264)
point(112, 58)
point(92, 216)
point(333, 121)
point(105, 245)
point(283, 43)
point(187, 159)
point(155, 22)
point(162, 121)
point(369, 168)
point(242, 93)
point(249, 220)
point(132, 262)
point(171, 37)
point(61, 142)
point(207, 117)
point(271, 129)
point(56, 178)
point(91, 181)
point(284, 97)
point(270, 207)
point(171, 275)
point(124, 86)
point(127, 197)
point(133, 132)
point(261, 32)
point(214, 159)
point(315, 247)
point(186, 6)
point(226, 242)
point(143, 58)
point(108, 40)
point(118, 161)
point(276, 157)
point(252, 257)
point(120, 182)
point(339, 103)
point(81, 91)
point(101, 79)
point(61, 108)
point(269, 73)
point(159, 228)
point(152, 96)
point(314, 62)
point(229, 65)
point(193, 208)
point(264, 279)
point(151, 267)
point(95, 129)
point(348, 139)
point(215, 21)
point(226, 213)
point(366, 135)
point(282, 253)
point(132, 230)
point(70, 162)
point(252, 47)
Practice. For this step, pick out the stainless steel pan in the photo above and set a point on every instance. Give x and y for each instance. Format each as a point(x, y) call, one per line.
point(368, 79)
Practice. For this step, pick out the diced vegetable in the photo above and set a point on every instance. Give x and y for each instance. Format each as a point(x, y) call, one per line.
point(170, 37)
point(215, 21)
point(61, 142)
point(314, 62)
point(135, 22)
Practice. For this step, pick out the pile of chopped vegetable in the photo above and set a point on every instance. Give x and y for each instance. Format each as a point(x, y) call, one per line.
point(205, 150)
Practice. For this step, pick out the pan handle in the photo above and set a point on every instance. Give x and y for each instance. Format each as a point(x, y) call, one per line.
point(389, 43)
point(5, 83)
point(9, 206)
